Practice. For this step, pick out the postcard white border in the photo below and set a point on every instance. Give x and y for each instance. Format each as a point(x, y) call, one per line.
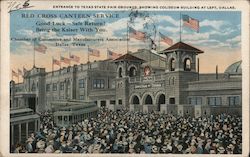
point(242, 6)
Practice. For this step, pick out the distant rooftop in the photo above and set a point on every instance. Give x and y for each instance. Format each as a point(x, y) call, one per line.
point(129, 57)
point(234, 68)
point(182, 46)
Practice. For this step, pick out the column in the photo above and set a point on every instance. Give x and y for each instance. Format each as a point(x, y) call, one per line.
point(62, 120)
point(35, 129)
point(19, 129)
point(27, 127)
point(12, 134)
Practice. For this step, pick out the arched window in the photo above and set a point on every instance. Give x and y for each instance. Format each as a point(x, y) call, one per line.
point(132, 72)
point(161, 100)
point(148, 100)
point(120, 72)
point(172, 64)
point(136, 100)
point(187, 64)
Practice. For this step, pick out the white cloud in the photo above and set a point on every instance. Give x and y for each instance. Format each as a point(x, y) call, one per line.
point(216, 24)
point(236, 39)
point(162, 18)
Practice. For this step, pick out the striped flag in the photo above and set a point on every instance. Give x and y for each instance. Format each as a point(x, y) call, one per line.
point(74, 58)
point(190, 22)
point(39, 47)
point(65, 60)
point(57, 62)
point(137, 34)
point(14, 73)
point(112, 55)
point(20, 72)
point(166, 39)
point(94, 52)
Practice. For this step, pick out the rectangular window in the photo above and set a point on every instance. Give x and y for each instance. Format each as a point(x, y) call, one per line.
point(81, 97)
point(81, 83)
point(98, 83)
point(54, 86)
point(234, 100)
point(33, 88)
point(47, 87)
point(214, 101)
point(195, 101)
point(120, 101)
point(61, 86)
point(112, 102)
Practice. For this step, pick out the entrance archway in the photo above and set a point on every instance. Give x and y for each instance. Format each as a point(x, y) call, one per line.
point(148, 100)
point(136, 100)
point(161, 100)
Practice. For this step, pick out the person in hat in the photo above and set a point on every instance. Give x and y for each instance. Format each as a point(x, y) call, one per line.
point(155, 149)
point(29, 146)
point(221, 150)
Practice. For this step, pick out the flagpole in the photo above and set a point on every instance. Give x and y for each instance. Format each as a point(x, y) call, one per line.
point(60, 61)
point(88, 57)
point(69, 56)
point(127, 37)
point(150, 51)
point(52, 65)
point(34, 53)
point(107, 53)
point(159, 42)
point(180, 27)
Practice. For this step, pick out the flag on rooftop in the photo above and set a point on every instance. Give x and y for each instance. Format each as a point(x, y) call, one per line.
point(113, 55)
point(57, 62)
point(65, 60)
point(94, 52)
point(74, 58)
point(191, 22)
point(39, 47)
point(165, 39)
point(137, 34)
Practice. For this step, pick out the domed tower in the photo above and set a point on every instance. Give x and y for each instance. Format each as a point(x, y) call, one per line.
point(180, 69)
point(234, 70)
point(127, 66)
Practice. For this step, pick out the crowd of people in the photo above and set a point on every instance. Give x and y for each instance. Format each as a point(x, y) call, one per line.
point(135, 132)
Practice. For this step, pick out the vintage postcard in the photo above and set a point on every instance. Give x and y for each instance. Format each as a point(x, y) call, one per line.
point(119, 78)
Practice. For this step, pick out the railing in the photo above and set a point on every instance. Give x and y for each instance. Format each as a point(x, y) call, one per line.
point(157, 77)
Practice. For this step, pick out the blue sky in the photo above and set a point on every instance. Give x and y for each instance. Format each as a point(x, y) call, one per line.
point(220, 32)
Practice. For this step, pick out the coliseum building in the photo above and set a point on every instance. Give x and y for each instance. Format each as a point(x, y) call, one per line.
point(141, 81)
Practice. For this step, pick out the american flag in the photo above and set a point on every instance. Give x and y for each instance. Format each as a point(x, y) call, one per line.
point(20, 72)
point(74, 58)
point(65, 60)
point(166, 39)
point(137, 34)
point(94, 52)
point(113, 55)
point(39, 47)
point(57, 62)
point(190, 22)
point(14, 73)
